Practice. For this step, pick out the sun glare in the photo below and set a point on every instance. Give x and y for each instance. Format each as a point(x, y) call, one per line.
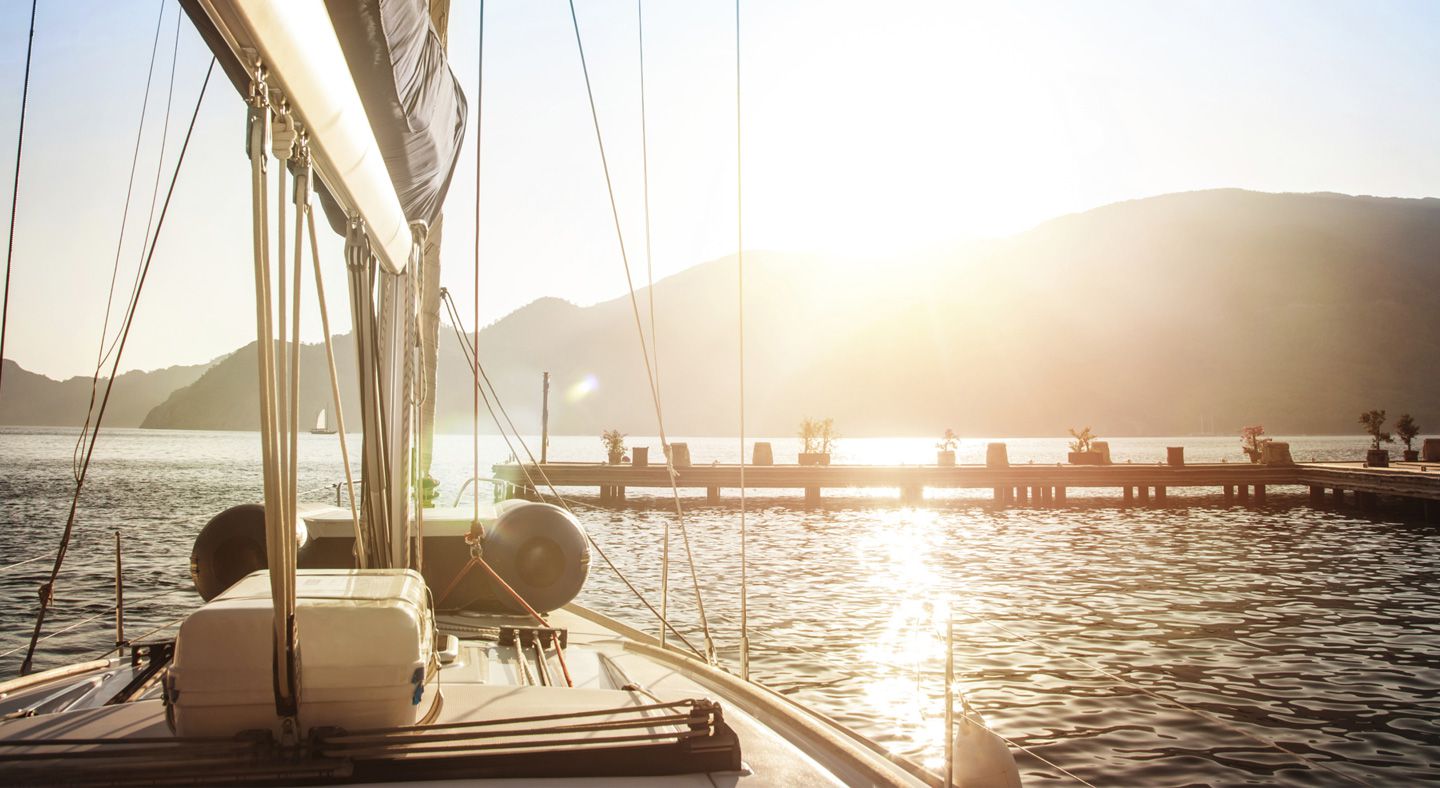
point(582, 388)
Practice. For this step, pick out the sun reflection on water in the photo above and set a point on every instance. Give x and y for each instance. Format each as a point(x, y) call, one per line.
point(898, 560)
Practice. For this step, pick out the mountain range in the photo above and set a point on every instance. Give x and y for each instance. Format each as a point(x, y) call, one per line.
point(29, 399)
point(1177, 314)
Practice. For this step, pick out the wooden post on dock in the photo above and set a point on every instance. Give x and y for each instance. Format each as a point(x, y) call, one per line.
point(1259, 493)
point(1244, 491)
point(1060, 494)
point(544, 417)
point(1129, 494)
point(1144, 491)
point(1229, 493)
point(712, 495)
point(1317, 495)
point(1159, 494)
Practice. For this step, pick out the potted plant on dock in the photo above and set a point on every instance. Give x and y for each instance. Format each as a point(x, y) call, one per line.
point(1252, 442)
point(1374, 422)
point(817, 437)
point(1407, 430)
point(945, 454)
point(1080, 451)
point(614, 443)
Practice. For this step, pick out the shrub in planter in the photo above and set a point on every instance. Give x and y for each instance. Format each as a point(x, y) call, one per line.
point(1374, 423)
point(614, 443)
point(1407, 430)
point(1081, 452)
point(946, 448)
point(817, 437)
point(1252, 443)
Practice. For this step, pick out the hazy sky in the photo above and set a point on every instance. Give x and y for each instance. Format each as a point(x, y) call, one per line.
point(869, 129)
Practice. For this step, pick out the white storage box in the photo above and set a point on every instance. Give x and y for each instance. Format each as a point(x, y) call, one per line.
point(366, 642)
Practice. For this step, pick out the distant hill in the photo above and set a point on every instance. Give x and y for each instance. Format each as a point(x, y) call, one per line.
point(29, 399)
point(1168, 315)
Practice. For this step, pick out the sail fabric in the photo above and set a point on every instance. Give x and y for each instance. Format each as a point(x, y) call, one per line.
point(413, 100)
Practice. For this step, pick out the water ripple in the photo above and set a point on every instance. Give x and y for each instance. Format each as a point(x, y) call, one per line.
point(1314, 629)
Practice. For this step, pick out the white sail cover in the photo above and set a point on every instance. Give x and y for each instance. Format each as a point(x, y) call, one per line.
point(297, 42)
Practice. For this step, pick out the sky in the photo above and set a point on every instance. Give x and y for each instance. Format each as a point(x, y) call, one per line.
point(869, 131)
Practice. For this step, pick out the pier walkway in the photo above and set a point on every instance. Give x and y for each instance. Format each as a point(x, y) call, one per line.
point(1028, 484)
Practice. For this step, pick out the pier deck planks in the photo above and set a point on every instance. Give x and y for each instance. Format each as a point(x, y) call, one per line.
point(1410, 480)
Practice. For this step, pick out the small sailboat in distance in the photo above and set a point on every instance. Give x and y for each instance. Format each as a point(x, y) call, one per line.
point(322, 424)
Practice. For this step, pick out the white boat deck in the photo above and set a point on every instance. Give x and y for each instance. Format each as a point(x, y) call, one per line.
point(613, 669)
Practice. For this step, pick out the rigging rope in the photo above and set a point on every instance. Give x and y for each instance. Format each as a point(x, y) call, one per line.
point(650, 289)
point(361, 554)
point(640, 331)
point(740, 290)
point(47, 589)
point(15, 190)
point(479, 125)
point(100, 352)
point(473, 357)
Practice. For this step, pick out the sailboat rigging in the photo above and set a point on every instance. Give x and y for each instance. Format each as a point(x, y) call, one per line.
point(346, 646)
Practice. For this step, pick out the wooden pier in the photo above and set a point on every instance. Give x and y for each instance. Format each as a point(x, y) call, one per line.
point(1035, 485)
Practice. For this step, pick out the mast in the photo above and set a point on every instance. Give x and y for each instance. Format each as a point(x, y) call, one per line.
point(430, 302)
point(302, 67)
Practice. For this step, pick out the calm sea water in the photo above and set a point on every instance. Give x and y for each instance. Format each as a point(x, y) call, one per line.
point(1314, 629)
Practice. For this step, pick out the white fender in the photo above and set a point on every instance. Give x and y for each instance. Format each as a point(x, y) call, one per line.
point(982, 759)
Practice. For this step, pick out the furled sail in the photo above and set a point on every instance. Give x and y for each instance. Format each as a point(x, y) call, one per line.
point(415, 104)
